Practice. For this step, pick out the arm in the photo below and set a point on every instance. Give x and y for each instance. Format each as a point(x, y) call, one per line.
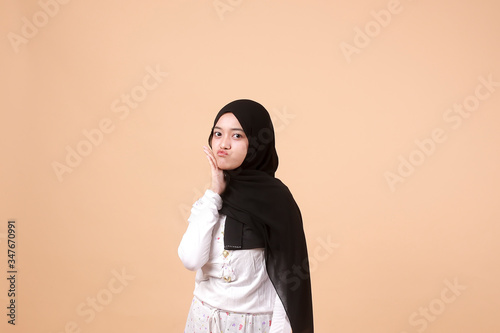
point(280, 322)
point(194, 249)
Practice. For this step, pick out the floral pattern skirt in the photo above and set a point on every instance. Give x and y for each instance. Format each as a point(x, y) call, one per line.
point(203, 318)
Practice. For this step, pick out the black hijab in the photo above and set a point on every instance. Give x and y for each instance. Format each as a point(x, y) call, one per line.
point(261, 212)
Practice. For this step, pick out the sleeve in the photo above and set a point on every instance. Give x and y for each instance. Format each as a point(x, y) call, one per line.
point(194, 249)
point(280, 322)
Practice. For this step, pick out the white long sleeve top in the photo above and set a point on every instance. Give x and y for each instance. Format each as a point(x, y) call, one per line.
point(234, 280)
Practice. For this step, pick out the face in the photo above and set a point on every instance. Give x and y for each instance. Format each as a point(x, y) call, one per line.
point(229, 142)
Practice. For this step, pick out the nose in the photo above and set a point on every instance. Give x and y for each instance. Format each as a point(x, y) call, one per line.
point(225, 143)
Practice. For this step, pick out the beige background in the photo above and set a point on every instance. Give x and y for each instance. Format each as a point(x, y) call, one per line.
point(383, 254)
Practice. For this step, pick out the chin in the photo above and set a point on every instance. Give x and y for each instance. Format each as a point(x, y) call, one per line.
point(225, 166)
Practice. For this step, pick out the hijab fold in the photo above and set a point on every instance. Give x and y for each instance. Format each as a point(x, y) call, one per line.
point(261, 212)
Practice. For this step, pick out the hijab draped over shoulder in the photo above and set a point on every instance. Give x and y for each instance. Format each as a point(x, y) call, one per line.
point(261, 212)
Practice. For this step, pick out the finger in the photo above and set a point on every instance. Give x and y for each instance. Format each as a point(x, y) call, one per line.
point(212, 161)
point(208, 151)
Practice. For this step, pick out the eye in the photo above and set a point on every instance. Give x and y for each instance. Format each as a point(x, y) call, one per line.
point(238, 136)
point(217, 134)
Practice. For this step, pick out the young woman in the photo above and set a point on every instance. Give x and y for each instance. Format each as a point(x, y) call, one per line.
point(245, 236)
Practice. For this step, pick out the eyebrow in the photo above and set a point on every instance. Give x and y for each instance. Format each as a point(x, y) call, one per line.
point(233, 129)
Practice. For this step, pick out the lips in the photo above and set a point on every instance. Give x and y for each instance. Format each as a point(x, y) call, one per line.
point(221, 153)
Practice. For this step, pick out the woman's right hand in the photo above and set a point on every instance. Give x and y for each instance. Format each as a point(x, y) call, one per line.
point(218, 183)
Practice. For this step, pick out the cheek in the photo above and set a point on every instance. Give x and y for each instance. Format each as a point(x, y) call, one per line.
point(242, 151)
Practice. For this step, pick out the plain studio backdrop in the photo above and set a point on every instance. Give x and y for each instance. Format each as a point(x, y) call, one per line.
point(386, 118)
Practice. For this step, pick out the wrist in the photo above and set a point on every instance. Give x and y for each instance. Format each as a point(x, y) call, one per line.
point(215, 190)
